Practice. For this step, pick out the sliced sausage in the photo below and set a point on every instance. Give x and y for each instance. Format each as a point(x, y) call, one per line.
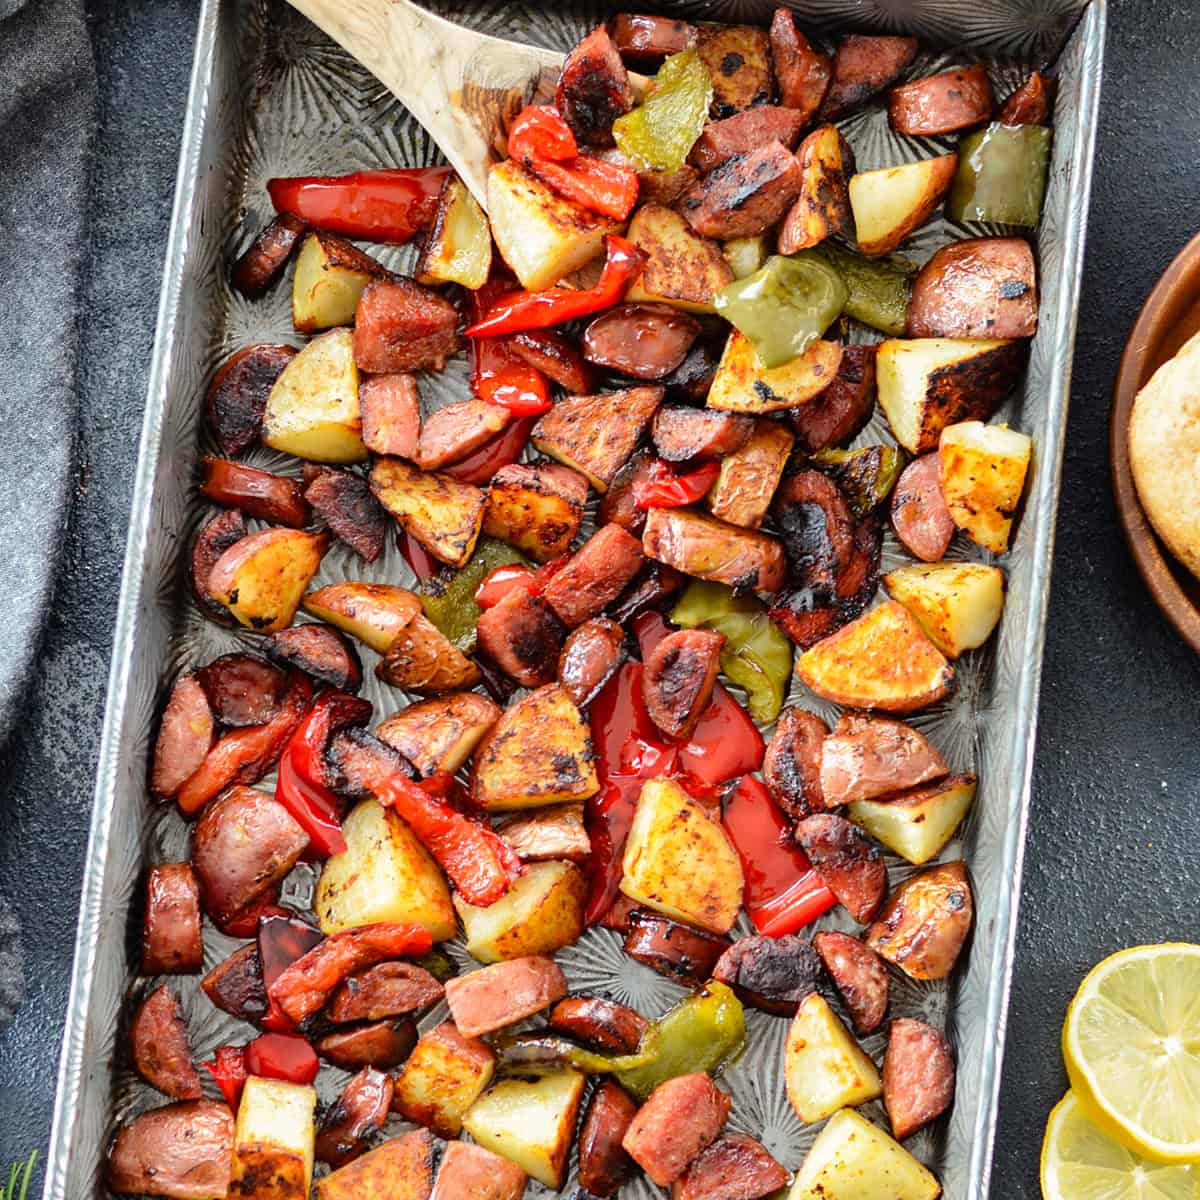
point(680, 433)
point(691, 381)
point(590, 657)
point(681, 1117)
point(390, 408)
point(617, 506)
point(264, 259)
point(185, 737)
point(551, 353)
point(745, 195)
point(320, 651)
point(858, 581)
point(455, 430)
point(158, 1043)
point(862, 66)
point(243, 690)
point(744, 132)
point(1029, 104)
point(792, 763)
point(842, 410)
point(382, 1044)
point(593, 89)
point(644, 41)
point(401, 326)
point(244, 842)
point(710, 549)
point(542, 834)
point(734, 1167)
point(920, 515)
point(389, 989)
point(359, 762)
point(226, 529)
point(469, 1172)
point(771, 973)
point(595, 575)
point(603, 1163)
point(237, 396)
point(260, 494)
point(359, 1112)
point(918, 1076)
point(867, 756)
point(522, 636)
point(925, 922)
point(504, 993)
point(678, 679)
point(942, 103)
point(801, 71)
point(858, 974)
point(846, 860)
point(672, 949)
point(817, 530)
point(653, 585)
point(184, 1151)
point(643, 341)
point(343, 500)
point(236, 985)
point(738, 58)
point(171, 942)
point(602, 1025)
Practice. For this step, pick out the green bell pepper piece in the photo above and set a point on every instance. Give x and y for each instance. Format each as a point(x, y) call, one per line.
point(784, 306)
point(660, 133)
point(540, 1053)
point(449, 597)
point(756, 657)
point(865, 476)
point(438, 963)
point(1001, 175)
point(878, 289)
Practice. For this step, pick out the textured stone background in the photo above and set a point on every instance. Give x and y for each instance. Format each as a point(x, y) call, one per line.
point(1111, 858)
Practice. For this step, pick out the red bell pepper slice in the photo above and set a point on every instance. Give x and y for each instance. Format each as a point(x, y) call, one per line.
point(603, 187)
point(245, 923)
point(520, 388)
point(424, 565)
point(539, 131)
point(783, 892)
point(281, 941)
point(501, 581)
point(540, 310)
point(388, 205)
point(663, 488)
point(282, 1056)
point(228, 1069)
point(480, 865)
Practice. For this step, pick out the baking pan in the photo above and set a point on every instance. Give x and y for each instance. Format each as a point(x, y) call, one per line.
point(269, 96)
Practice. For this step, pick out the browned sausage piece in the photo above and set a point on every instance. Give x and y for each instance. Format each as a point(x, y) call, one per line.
point(618, 916)
point(680, 432)
point(237, 396)
point(859, 975)
point(359, 762)
point(846, 860)
point(925, 922)
point(643, 341)
point(185, 737)
point(401, 326)
point(616, 505)
point(792, 763)
point(590, 657)
point(817, 530)
point(243, 690)
point(382, 1044)
point(644, 41)
point(918, 1076)
point(744, 132)
point(389, 989)
point(843, 409)
point(652, 587)
point(745, 195)
point(603, 1164)
point(595, 575)
point(541, 834)
point(551, 353)
point(158, 1043)
point(273, 498)
point(858, 581)
point(771, 973)
point(593, 89)
point(522, 636)
point(862, 66)
point(320, 651)
point(734, 1167)
point(345, 503)
point(599, 1024)
point(504, 993)
point(1029, 104)
point(469, 1172)
point(266, 256)
point(942, 103)
point(223, 531)
point(677, 951)
point(678, 678)
point(391, 414)
point(976, 288)
point(865, 757)
point(801, 71)
point(920, 515)
point(236, 985)
point(358, 1113)
point(457, 429)
point(184, 1151)
point(681, 1117)
point(710, 549)
point(171, 942)
point(692, 380)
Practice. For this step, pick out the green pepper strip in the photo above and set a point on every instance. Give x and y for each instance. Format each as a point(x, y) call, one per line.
point(539, 1053)
point(1001, 175)
point(660, 133)
point(866, 476)
point(449, 597)
point(877, 288)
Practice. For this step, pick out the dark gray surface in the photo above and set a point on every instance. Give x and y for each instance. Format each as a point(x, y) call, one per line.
point(1110, 860)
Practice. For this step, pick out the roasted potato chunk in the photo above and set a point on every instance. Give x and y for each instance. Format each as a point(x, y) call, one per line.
point(982, 470)
point(423, 659)
point(445, 516)
point(925, 922)
point(893, 202)
point(329, 278)
point(441, 733)
point(919, 823)
point(262, 578)
point(374, 613)
point(547, 833)
point(445, 1074)
point(866, 757)
point(458, 249)
point(682, 268)
point(273, 1141)
point(702, 546)
point(401, 1169)
point(956, 604)
point(738, 58)
point(822, 209)
point(469, 1171)
point(749, 476)
point(824, 1067)
point(743, 384)
point(537, 507)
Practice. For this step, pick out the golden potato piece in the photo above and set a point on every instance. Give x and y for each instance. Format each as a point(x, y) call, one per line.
point(458, 249)
point(374, 613)
point(273, 1141)
point(400, 1169)
point(537, 507)
point(441, 733)
point(922, 927)
point(824, 1067)
point(445, 516)
point(918, 823)
point(822, 209)
point(982, 470)
point(329, 278)
point(682, 268)
point(738, 58)
point(957, 604)
point(443, 1076)
point(261, 578)
point(893, 202)
point(749, 476)
point(423, 659)
point(743, 384)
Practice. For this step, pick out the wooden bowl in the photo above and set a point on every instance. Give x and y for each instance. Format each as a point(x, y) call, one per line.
point(1169, 317)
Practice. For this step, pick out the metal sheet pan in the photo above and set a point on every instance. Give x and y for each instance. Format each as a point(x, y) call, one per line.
point(269, 95)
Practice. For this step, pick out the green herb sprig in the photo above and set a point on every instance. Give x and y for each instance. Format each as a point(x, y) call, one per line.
point(20, 1175)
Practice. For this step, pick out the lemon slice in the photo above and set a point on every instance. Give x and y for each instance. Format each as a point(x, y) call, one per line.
point(1080, 1163)
point(1132, 1046)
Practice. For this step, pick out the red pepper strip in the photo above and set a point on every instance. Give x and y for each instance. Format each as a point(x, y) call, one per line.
point(246, 755)
point(502, 581)
point(281, 941)
point(388, 205)
point(540, 131)
point(305, 986)
point(423, 564)
point(783, 892)
point(603, 187)
point(480, 865)
point(609, 816)
point(245, 923)
point(282, 1056)
point(520, 388)
point(540, 310)
point(229, 1070)
point(664, 489)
